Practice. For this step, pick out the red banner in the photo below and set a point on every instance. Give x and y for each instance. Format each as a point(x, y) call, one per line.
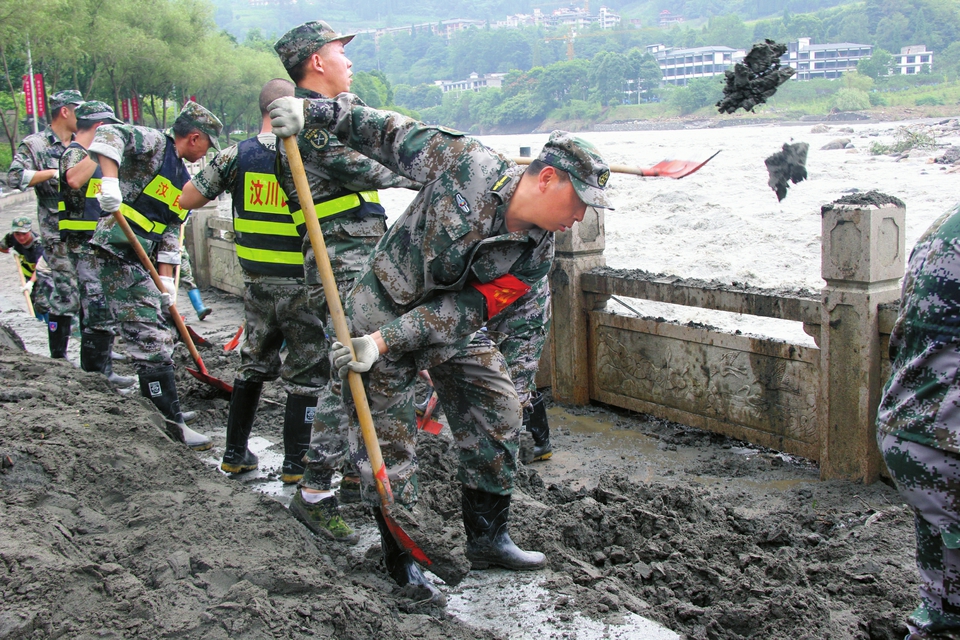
point(135, 108)
point(125, 110)
point(28, 90)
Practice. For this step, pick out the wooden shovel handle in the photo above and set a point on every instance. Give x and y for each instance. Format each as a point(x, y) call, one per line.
point(23, 283)
point(339, 318)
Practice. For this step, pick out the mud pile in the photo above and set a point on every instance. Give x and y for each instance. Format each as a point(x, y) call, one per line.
point(112, 530)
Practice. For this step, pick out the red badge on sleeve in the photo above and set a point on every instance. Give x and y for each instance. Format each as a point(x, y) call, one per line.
point(501, 292)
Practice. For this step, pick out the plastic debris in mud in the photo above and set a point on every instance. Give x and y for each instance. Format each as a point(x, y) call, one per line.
point(755, 79)
point(789, 165)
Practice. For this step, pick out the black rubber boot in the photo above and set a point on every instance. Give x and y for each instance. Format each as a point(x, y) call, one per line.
point(404, 570)
point(485, 518)
point(58, 334)
point(243, 410)
point(95, 350)
point(297, 428)
point(535, 421)
point(160, 386)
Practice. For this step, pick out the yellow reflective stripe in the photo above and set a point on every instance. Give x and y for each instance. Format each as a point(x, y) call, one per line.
point(297, 217)
point(93, 187)
point(345, 203)
point(78, 225)
point(263, 194)
point(265, 228)
point(163, 190)
point(61, 206)
point(141, 221)
point(268, 256)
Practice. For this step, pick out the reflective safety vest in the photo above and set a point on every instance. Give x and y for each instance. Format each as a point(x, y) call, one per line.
point(158, 205)
point(84, 221)
point(267, 238)
point(29, 256)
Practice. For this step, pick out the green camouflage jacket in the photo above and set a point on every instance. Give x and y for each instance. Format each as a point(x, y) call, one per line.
point(139, 152)
point(37, 152)
point(921, 401)
point(333, 169)
point(452, 237)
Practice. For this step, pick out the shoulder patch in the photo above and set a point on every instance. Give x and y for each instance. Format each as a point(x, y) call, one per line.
point(602, 180)
point(501, 182)
point(319, 139)
point(462, 203)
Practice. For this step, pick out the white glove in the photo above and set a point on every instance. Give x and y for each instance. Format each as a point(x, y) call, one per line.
point(165, 301)
point(109, 196)
point(367, 353)
point(170, 285)
point(27, 288)
point(286, 116)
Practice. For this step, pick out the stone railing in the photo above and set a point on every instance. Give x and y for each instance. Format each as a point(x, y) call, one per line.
point(818, 402)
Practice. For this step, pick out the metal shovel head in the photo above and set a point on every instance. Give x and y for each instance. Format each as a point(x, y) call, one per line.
point(433, 543)
point(234, 342)
point(203, 376)
point(197, 338)
point(676, 168)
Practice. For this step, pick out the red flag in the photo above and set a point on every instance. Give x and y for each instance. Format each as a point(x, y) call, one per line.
point(125, 109)
point(28, 94)
point(41, 96)
point(135, 108)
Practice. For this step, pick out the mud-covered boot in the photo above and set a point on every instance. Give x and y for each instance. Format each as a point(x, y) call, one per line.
point(349, 492)
point(404, 570)
point(160, 386)
point(297, 427)
point(202, 310)
point(323, 518)
point(58, 334)
point(535, 421)
point(485, 517)
point(95, 356)
point(243, 410)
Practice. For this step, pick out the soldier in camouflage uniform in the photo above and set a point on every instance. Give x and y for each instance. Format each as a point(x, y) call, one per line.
point(343, 184)
point(277, 304)
point(29, 245)
point(520, 332)
point(143, 174)
point(79, 179)
point(476, 238)
point(35, 165)
point(919, 423)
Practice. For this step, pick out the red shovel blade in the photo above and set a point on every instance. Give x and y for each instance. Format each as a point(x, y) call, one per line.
point(203, 376)
point(234, 342)
point(197, 338)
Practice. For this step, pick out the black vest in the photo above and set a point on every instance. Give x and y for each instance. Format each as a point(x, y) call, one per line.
point(158, 205)
point(84, 221)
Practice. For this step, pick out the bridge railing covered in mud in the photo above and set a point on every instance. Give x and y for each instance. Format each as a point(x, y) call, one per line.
point(818, 402)
point(814, 401)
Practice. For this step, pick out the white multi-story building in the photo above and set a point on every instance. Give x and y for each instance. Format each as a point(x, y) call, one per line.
point(912, 59)
point(679, 66)
point(475, 82)
point(824, 60)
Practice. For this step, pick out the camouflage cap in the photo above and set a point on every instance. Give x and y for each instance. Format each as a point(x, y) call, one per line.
point(21, 224)
point(202, 119)
point(63, 98)
point(95, 111)
point(588, 171)
point(299, 43)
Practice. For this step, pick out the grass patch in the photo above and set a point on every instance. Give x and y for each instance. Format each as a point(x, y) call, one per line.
point(906, 139)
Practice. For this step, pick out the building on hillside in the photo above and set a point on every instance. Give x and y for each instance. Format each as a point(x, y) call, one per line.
point(912, 59)
point(475, 82)
point(668, 19)
point(445, 28)
point(824, 60)
point(579, 18)
point(679, 66)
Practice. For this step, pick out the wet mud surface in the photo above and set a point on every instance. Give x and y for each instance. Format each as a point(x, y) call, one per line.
point(110, 530)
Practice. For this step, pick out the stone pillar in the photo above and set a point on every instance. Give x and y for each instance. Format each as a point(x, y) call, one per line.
point(578, 250)
point(862, 262)
point(195, 239)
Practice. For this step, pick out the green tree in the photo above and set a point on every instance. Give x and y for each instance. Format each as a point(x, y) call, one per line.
point(698, 93)
point(607, 74)
point(878, 65)
point(851, 100)
point(892, 31)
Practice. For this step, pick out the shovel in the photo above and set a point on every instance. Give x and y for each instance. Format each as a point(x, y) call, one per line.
point(387, 504)
point(234, 342)
point(664, 169)
point(23, 283)
point(202, 375)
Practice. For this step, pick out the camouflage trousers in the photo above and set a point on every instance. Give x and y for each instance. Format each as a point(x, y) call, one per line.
point(94, 314)
point(186, 270)
point(65, 297)
point(929, 480)
point(471, 380)
point(349, 245)
point(277, 312)
point(520, 332)
point(133, 301)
